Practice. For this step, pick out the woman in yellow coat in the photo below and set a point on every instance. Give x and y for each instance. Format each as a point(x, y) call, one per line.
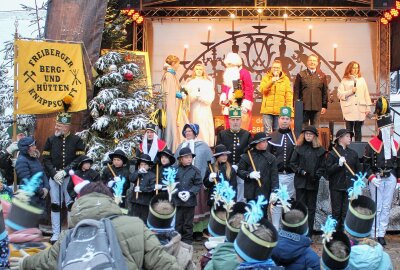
point(276, 92)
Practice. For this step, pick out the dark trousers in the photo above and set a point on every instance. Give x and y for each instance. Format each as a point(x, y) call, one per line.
point(184, 223)
point(356, 127)
point(309, 198)
point(311, 118)
point(140, 211)
point(340, 204)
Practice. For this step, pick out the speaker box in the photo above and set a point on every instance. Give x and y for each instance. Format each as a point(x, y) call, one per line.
point(359, 147)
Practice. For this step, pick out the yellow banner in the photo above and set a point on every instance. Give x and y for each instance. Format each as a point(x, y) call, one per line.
point(50, 75)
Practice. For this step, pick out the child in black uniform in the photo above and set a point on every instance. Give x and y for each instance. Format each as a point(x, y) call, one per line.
point(189, 185)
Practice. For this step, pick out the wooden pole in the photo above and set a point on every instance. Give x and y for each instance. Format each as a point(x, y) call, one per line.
point(14, 136)
point(345, 163)
point(156, 178)
point(137, 184)
point(111, 170)
point(211, 170)
point(254, 166)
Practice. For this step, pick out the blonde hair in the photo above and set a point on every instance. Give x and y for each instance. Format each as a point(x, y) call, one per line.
point(171, 59)
point(228, 168)
point(204, 75)
point(315, 141)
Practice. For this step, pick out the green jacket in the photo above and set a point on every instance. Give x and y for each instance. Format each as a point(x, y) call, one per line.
point(139, 245)
point(224, 257)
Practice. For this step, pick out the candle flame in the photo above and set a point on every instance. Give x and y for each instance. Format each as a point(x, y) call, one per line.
point(335, 45)
point(310, 26)
point(209, 28)
point(285, 16)
point(233, 16)
point(186, 46)
point(259, 11)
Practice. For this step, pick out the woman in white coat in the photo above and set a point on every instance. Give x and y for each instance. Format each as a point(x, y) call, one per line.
point(354, 99)
point(202, 94)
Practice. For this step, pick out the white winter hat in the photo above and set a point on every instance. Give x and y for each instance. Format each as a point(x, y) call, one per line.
point(233, 59)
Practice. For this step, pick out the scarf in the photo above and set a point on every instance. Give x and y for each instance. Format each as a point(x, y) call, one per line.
point(153, 149)
point(388, 143)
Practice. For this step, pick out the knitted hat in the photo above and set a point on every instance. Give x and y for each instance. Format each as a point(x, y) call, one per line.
point(217, 221)
point(79, 183)
point(23, 213)
point(331, 260)
point(300, 227)
point(221, 149)
point(194, 127)
point(168, 153)
point(285, 111)
point(310, 129)
point(157, 220)
point(118, 154)
point(358, 224)
point(64, 118)
point(231, 231)
point(235, 112)
point(185, 151)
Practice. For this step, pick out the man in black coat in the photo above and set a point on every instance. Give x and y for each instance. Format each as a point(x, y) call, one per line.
point(236, 141)
point(339, 176)
point(59, 153)
point(311, 87)
point(265, 172)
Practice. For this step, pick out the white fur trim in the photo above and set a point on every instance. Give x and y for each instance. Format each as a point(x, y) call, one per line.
point(79, 186)
point(233, 59)
point(247, 104)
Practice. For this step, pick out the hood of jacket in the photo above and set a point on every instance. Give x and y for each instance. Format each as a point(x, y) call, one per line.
point(290, 247)
point(367, 257)
point(224, 257)
point(93, 206)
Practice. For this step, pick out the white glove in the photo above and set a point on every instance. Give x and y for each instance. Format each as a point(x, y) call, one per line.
point(157, 187)
point(274, 79)
point(59, 177)
point(255, 175)
point(142, 170)
point(16, 262)
point(342, 160)
point(273, 198)
point(244, 110)
point(376, 181)
point(12, 148)
point(180, 194)
point(110, 183)
point(45, 192)
point(212, 176)
point(183, 95)
point(137, 189)
point(235, 167)
point(117, 178)
point(186, 196)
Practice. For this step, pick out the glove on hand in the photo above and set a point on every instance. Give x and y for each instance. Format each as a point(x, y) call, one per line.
point(255, 175)
point(342, 160)
point(212, 176)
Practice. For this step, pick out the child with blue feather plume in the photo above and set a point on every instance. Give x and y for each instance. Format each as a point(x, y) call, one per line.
point(144, 185)
point(254, 212)
point(28, 189)
point(282, 196)
point(218, 171)
point(168, 181)
point(328, 229)
point(358, 185)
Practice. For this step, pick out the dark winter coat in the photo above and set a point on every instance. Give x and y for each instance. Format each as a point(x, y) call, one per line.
point(236, 143)
point(210, 185)
point(189, 179)
point(339, 177)
point(312, 90)
point(147, 182)
point(90, 175)
point(312, 161)
point(60, 152)
point(26, 167)
point(264, 162)
point(140, 247)
point(6, 168)
point(294, 252)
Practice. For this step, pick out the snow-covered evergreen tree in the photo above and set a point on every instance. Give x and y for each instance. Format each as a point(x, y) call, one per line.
point(120, 110)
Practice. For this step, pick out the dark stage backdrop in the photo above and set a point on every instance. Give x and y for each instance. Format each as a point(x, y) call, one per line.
point(394, 45)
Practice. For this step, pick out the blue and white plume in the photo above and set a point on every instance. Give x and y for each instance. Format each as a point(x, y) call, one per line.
point(254, 212)
point(358, 185)
point(281, 194)
point(27, 190)
point(328, 229)
point(118, 189)
point(169, 181)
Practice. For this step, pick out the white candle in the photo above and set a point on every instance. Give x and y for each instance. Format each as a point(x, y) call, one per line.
point(233, 22)
point(310, 32)
point(285, 16)
point(334, 52)
point(209, 34)
point(185, 47)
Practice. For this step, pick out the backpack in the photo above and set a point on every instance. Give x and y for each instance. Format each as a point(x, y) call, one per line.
point(92, 244)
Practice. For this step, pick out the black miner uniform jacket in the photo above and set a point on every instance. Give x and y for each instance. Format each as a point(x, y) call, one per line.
point(236, 143)
point(310, 160)
point(281, 146)
point(210, 185)
point(189, 179)
point(60, 151)
point(265, 163)
point(374, 159)
point(339, 177)
point(147, 183)
point(311, 89)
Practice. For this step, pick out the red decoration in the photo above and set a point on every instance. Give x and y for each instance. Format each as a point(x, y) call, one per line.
point(102, 106)
point(128, 76)
point(119, 114)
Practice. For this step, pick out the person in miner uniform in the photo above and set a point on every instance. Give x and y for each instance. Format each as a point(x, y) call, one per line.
point(382, 164)
point(281, 146)
point(151, 144)
point(236, 141)
point(59, 153)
